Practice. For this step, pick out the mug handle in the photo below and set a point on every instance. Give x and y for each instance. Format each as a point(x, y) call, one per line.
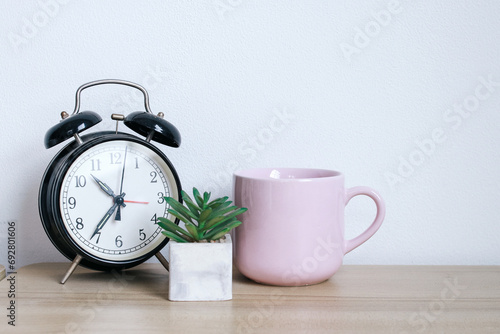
point(367, 234)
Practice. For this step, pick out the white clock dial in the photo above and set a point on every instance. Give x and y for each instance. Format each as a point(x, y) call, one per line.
point(111, 198)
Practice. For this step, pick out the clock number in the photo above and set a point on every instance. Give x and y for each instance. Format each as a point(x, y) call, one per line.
point(98, 237)
point(142, 235)
point(161, 200)
point(79, 223)
point(154, 219)
point(153, 177)
point(72, 202)
point(136, 163)
point(115, 158)
point(81, 181)
point(96, 165)
point(118, 241)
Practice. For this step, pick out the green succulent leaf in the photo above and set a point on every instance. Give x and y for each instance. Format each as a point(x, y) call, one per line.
point(190, 204)
point(174, 204)
point(218, 207)
point(222, 219)
point(193, 231)
point(178, 215)
point(234, 213)
point(198, 197)
point(206, 197)
point(193, 208)
point(222, 210)
point(217, 201)
point(204, 215)
point(212, 222)
point(169, 225)
point(220, 234)
point(219, 229)
point(175, 237)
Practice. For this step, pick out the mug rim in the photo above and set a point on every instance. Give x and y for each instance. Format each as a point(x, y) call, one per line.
point(265, 174)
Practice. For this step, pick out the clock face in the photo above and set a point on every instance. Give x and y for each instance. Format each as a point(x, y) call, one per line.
point(111, 196)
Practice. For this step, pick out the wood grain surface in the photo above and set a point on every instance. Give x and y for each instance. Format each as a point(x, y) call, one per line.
point(357, 299)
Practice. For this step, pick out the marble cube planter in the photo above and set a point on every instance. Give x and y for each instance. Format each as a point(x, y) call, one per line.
point(201, 271)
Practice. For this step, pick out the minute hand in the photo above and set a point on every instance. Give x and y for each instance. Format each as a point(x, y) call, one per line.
point(118, 212)
point(104, 219)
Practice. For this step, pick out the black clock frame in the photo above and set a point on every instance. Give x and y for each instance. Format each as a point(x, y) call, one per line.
point(49, 195)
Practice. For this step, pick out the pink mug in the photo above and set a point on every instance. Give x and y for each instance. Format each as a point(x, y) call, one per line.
point(293, 231)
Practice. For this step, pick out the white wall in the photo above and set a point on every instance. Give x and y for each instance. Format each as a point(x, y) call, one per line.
point(359, 95)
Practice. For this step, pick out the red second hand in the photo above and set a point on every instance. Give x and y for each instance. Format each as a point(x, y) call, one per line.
point(139, 202)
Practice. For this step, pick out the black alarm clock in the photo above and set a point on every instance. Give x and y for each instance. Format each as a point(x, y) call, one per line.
point(102, 194)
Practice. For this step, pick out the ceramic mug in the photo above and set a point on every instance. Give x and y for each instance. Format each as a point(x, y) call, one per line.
point(293, 231)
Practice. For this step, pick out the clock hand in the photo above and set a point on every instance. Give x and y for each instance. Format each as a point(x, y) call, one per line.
point(104, 220)
point(107, 190)
point(123, 170)
point(120, 201)
point(104, 186)
point(137, 202)
point(118, 212)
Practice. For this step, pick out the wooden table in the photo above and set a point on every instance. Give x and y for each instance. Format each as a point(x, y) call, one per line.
point(358, 299)
point(2, 272)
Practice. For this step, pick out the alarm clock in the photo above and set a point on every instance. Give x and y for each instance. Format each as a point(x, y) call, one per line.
point(102, 194)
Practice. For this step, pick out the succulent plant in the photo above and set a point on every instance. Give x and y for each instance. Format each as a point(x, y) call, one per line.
point(203, 220)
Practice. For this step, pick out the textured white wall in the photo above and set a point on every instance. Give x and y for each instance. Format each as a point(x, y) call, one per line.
point(401, 96)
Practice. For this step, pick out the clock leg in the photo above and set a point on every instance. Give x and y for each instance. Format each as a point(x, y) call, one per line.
point(162, 260)
point(72, 268)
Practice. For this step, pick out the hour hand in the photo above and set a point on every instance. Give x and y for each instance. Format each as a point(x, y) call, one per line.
point(103, 186)
point(104, 220)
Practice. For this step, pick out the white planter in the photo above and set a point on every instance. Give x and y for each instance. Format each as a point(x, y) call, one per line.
point(201, 271)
